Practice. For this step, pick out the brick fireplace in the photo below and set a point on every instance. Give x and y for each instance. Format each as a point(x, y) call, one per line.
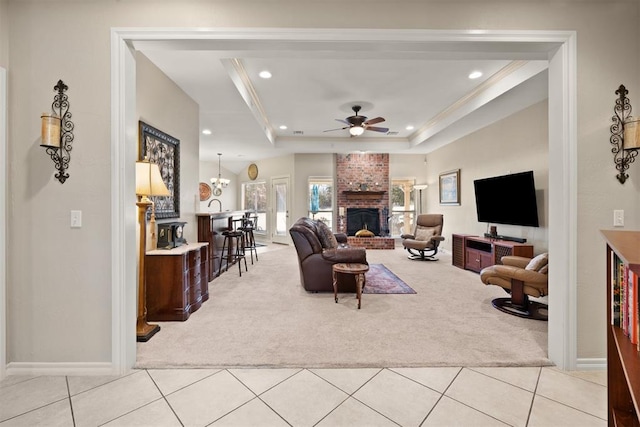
point(363, 183)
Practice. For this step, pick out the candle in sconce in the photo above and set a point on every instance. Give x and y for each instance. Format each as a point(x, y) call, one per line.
point(50, 130)
point(341, 211)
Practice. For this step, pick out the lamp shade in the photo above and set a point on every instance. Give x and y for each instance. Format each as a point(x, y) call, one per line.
point(356, 130)
point(149, 181)
point(631, 134)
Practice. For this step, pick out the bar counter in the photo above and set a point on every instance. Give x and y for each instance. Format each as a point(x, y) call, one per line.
point(211, 225)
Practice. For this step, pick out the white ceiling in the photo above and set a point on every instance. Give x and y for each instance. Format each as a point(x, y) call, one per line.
point(313, 86)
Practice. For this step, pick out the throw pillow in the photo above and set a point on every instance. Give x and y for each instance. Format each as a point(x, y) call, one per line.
point(424, 233)
point(325, 235)
point(538, 262)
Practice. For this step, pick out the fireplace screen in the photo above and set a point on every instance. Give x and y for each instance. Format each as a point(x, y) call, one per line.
point(361, 218)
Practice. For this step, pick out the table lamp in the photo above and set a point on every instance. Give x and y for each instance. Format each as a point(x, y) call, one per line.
point(148, 183)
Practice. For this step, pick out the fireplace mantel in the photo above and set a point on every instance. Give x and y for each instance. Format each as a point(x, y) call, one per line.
point(363, 194)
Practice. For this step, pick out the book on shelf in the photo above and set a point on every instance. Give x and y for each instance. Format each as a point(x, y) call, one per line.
point(615, 290)
point(625, 310)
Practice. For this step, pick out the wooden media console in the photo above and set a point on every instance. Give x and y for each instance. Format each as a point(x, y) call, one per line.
point(475, 253)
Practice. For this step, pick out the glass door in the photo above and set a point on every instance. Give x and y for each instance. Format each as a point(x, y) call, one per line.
point(280, 218)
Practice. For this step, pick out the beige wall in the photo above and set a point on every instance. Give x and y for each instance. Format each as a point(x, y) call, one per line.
point(163, 105)
point(4, 33)
point(59, 279)
point(516, 144)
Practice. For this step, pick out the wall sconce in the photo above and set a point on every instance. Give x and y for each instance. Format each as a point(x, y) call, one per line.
point(219, 183)
point(625, 135)
point(57, 132)
point(148, 183)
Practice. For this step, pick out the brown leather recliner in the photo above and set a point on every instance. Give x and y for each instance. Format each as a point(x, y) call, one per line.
point(318, 249)
point(427, 235)
point(521, 277)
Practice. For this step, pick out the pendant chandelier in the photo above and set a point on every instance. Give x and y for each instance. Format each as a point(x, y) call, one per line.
point(219, 183)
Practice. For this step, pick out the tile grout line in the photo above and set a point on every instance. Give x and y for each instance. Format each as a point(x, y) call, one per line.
point(164, 397)
point(257, 396)
point(351, 395)
point(441, 396)
point(535, 394)
point(469, 406)
point(569, 406)
point(73, 418)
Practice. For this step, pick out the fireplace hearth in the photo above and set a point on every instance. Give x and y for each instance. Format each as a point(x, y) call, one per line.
point(361, 218)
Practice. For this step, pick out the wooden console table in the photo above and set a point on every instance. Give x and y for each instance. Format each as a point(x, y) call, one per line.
point(177, 282)
point(475, 253)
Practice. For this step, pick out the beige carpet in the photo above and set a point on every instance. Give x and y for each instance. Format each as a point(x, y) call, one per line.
point(266, 319)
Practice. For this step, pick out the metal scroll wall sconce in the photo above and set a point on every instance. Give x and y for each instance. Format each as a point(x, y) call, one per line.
point(625, 135)
point(57, 132)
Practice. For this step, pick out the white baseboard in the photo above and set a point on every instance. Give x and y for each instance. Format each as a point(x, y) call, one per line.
point(595, 364)
point(63, 368)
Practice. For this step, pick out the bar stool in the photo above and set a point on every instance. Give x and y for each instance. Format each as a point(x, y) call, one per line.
point(233, 250)
point(249, 224)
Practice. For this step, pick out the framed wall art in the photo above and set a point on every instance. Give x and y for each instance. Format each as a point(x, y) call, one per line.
point(164, 150)
point(450, 187)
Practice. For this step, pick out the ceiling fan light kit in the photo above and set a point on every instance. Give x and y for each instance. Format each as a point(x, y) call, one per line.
point(357, 124)
point(356, 130)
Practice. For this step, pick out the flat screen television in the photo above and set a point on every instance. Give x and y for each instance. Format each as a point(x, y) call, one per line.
point(507, 199)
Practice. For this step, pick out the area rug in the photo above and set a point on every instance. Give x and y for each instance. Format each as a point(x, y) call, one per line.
point(380, 280)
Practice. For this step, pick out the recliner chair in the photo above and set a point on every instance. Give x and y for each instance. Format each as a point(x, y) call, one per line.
point(318, 249)
point(427, 235)
point(521, 277)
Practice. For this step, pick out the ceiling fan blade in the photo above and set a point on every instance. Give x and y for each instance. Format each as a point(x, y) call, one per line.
point(374, 121)
point(377, 129)
point(331, 130)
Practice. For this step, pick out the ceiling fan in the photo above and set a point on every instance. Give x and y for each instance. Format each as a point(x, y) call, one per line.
point(357, 124)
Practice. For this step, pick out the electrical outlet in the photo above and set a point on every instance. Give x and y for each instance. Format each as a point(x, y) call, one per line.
point(76, 219)
point(618, 218)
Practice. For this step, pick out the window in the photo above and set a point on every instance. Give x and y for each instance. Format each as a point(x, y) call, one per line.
point(403, 207)
point(254, 197)
point(320, 197)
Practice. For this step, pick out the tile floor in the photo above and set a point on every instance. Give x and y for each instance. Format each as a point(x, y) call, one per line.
point(310, 397)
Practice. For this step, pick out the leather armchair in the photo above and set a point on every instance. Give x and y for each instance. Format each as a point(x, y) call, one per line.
point(521, 277)
point(318, 249)
point(427, 235)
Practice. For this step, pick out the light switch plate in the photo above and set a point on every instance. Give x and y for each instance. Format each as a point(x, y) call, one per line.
point(76, 219)
point(618, 218)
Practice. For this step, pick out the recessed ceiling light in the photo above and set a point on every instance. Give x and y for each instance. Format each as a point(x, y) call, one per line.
point(206, 132)
point(283, 127)
point(475, 74)
point(265, 74)
point(409, 127)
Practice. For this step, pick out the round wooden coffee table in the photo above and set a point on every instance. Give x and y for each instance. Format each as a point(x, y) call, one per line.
point(357, 270)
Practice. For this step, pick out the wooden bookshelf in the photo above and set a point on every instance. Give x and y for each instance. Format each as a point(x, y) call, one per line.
point(623, 358)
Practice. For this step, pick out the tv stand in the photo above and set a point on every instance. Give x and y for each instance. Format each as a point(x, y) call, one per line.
point(507, 238)
point(475, 253)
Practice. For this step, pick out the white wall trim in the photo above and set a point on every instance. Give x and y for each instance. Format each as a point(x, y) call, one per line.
point(563, 217)
point(80, 368)
point(4, 178)
point(591, 364)
point(123, 211)
point(560, 51)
